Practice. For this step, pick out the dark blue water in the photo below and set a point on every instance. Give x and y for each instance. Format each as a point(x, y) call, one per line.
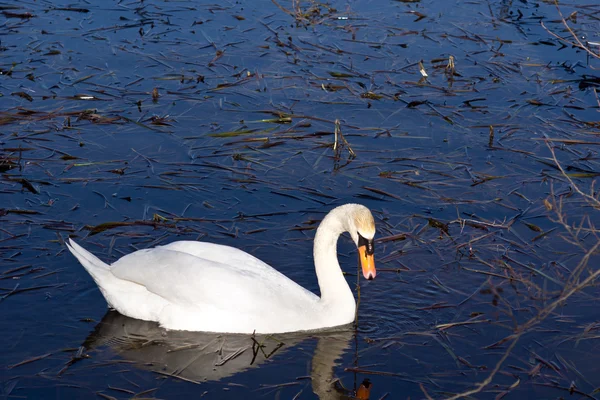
point(84, 152)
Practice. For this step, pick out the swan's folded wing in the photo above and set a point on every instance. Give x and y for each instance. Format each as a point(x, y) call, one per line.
point(219, 254)
point(187, 280)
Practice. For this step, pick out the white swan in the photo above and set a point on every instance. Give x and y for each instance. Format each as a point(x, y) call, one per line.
point(197, 286)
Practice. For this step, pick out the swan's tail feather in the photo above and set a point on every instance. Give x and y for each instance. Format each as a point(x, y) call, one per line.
point(98, 269)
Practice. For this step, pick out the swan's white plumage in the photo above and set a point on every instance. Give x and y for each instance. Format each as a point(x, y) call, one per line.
point(201, 286)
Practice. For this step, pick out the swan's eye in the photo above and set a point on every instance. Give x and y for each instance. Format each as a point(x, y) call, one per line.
point(368, 243)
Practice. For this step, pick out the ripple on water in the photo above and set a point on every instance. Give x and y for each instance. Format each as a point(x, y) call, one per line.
point(385, 325)
point(401, 303)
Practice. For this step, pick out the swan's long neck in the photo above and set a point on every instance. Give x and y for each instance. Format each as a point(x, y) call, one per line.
point(335, 291)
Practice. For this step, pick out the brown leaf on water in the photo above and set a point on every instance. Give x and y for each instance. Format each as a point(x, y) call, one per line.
point(118, 171)
point(29, 360)
point(414, 104)
point(535, 370)
point(26, 15)
point(73, 9)
point(5, 211)
point(22, 95)
point(533, 227)
point(159, 218)
point(98, 118)
point(392, 238)
point(24, 182)
point(7, 163)
point(543, 234)
point(161, 121)
point(27, 185)
point(382, 192)
point(270, 143)
point(112, 225)
point(341, 75)
point(7, 119)
point(535, 102)
point(371, 95)
point(439, 225)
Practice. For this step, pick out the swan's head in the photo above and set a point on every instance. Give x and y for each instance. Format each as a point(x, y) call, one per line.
point(362, 230)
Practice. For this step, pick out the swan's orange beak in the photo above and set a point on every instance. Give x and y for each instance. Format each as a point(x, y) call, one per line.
point(364, 390)
point(367, 261)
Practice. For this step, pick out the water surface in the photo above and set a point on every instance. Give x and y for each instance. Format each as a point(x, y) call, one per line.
point(236, 148)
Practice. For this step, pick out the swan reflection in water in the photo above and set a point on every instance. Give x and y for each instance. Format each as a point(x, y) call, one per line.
point(202, 357)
